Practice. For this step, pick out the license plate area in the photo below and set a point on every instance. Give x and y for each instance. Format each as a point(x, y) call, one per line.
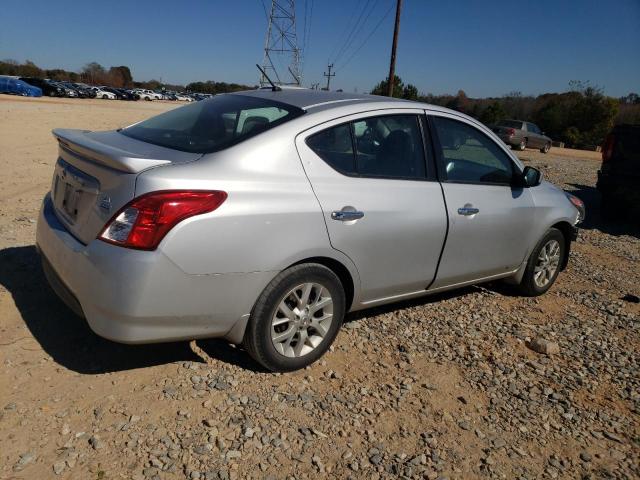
point(71, 197)
point(73, 192)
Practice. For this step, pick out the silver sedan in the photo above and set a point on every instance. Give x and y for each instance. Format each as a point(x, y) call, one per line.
point(264, 216)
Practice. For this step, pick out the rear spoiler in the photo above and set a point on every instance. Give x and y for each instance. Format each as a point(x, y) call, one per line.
point(77, 142)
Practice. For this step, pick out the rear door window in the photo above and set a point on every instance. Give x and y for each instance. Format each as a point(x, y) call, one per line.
point(335, 146)
point(387, 146)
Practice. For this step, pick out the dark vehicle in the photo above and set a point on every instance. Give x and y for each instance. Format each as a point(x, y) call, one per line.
point(87, 90)
point(49, 88)
point(619, 176)
point(520, 135)
point(120, 93)
point(133, 94)
point(73, 91)
point(18, 87)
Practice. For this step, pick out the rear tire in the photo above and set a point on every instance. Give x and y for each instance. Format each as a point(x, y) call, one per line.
point(546, 148)
point(296, 318)
point(523, 144)
point(544, 264)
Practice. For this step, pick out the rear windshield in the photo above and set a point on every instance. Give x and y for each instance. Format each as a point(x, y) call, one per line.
point(510, 124)
point(213, 124)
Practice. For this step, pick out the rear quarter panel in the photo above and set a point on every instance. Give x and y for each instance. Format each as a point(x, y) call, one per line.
point(270, 220)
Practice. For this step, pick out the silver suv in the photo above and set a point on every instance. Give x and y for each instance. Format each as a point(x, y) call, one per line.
point(264, 216)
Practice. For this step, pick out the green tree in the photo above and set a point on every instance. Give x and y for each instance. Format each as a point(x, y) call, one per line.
point(410, 92)
point(493, 114)
point(383, 87)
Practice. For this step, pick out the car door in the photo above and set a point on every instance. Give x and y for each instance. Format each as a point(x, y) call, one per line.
point(489, 217)
point(381, 202)
point(535, 139)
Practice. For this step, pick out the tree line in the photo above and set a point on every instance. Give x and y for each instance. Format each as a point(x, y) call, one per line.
point(580, 117)
point(118, 77)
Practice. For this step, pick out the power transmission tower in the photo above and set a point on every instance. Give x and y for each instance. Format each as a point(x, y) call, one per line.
point(394, 46)
point(282, 43)
point(329, 75)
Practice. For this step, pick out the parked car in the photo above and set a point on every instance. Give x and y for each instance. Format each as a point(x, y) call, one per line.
point(48, 88)
point(118, 94)
point(521, 135)
point(148, 94)
point(70, 92)
point(183, 98)
point(619, 176)
point(79, 92)
point(264, 216)
point(16, 86)
point(100, 93)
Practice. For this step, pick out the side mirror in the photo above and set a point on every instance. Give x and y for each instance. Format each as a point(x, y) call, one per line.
point(531, 177)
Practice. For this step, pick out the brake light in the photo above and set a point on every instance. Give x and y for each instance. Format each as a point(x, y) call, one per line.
point(607, 147)
point(143, 222)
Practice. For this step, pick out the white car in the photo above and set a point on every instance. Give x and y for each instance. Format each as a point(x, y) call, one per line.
point(183, 98)
point(148, 94)
point(103, 94)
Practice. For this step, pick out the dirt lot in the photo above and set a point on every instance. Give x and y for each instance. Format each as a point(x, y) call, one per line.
point(444, 387)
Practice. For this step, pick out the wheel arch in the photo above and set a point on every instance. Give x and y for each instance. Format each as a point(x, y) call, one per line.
point(566, 230)
point(340, 270)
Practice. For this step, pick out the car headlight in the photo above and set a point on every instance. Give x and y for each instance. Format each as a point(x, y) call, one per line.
point(579, 204)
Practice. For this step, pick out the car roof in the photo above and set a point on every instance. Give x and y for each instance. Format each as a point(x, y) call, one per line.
point(308, 99)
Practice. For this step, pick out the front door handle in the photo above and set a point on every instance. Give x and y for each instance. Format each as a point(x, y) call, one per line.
point(467, 210)
point(346, 215)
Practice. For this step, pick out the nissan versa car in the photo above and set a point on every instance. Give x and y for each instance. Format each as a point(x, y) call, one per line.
point(264, 216)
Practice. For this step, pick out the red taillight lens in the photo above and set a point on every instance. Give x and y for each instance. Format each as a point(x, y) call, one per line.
point(511, 131)
point(607, 147)
point(143, 222)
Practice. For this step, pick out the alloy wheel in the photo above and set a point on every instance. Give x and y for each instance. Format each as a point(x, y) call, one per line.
point(302, 319)
point(547, 264)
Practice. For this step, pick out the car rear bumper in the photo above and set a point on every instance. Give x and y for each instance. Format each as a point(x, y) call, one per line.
point(510, 139)
point(134, 296)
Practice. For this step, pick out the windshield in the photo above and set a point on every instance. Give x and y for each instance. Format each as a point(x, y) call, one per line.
point(212, 125)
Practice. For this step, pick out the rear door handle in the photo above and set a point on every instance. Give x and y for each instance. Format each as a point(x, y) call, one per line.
point(345, 216)
point(468, 211)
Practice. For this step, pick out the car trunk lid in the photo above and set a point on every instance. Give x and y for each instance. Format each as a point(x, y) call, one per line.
point(95, 176)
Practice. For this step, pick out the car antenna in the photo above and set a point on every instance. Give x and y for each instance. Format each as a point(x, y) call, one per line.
point(274, 87)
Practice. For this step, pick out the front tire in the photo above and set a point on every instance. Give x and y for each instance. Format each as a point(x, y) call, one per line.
point(296, 318)
point(546, 148)
point(544, 264)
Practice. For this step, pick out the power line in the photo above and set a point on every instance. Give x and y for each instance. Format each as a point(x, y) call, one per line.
point(366, 39)
point(346, 28)
point(306, 39)
point(357, 32)
point(355, 26)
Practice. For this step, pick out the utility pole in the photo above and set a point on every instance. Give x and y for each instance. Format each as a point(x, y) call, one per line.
point(394, 46)
point(329, 75)
point(282, 41)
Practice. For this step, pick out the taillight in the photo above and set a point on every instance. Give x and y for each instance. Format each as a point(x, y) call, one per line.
point(143, 222)
point(607, 147)
point(510, 131)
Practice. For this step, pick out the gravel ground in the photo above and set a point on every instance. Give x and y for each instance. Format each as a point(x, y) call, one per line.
point(451, 386)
